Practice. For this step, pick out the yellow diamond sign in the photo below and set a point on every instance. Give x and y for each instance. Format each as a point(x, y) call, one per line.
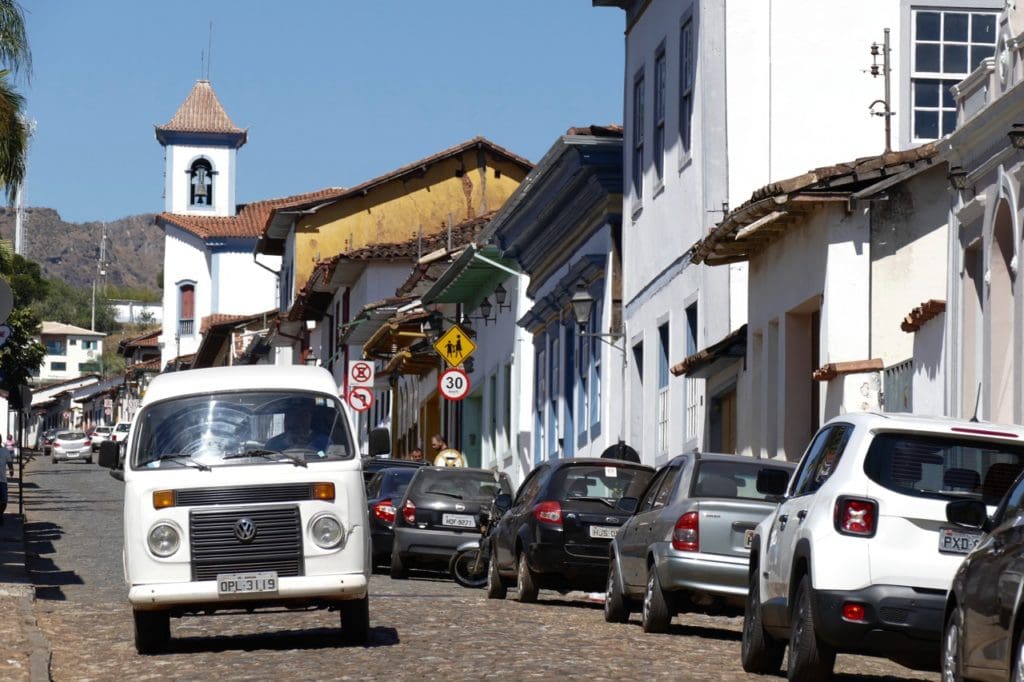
point(454, 346)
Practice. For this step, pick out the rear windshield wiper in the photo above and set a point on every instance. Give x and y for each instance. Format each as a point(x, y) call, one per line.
point(438, 492)
point(177, 460)
point(593, 499)
point(273, 455)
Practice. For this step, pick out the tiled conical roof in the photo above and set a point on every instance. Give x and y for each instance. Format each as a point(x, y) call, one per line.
point(201, 112)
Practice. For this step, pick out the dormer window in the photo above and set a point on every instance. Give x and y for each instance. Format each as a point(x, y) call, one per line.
point(201, 183)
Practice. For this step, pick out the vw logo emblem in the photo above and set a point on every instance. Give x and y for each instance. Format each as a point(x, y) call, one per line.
point(245, 530)
point(460, 507)
point(610, 519)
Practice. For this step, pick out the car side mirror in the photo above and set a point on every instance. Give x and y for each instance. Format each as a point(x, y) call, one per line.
point(503, 502)
point(772, 482)
point(380, 441)
point(108, 455)
point(968, 513)
point(117, 473)
point(628, 504)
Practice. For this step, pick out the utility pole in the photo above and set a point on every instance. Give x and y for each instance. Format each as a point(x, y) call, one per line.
point(19, 207)
point(886, 101)
point(101, 271)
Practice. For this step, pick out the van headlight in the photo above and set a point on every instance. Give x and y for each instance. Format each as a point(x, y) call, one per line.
point(164, 539)
point(326, 531)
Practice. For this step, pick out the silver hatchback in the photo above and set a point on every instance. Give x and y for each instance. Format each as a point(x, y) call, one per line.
point(70, 445)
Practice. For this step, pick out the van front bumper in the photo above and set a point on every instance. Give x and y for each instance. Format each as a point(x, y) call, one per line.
point(315, 590)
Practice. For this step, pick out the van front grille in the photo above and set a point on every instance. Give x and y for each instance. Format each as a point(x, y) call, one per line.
point(219, 544)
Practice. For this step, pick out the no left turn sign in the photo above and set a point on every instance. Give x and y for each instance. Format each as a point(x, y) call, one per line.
point(453, 384)
point(360, 398)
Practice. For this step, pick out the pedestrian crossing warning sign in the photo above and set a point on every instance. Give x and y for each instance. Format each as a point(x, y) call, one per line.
point(454, 346)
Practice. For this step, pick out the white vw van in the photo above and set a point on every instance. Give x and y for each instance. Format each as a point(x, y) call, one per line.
point(243, 491)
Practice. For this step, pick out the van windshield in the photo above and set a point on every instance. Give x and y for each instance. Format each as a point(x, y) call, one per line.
point(944, 467)
point(241, 428)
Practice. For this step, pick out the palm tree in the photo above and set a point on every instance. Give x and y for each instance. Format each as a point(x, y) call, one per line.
point(17, 57)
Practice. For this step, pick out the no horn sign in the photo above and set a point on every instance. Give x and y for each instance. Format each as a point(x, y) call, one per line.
point(453, 384)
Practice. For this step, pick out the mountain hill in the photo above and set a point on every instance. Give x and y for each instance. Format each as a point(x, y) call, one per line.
point(71, 251)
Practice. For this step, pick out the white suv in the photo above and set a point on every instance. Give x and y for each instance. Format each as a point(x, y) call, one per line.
point(858, 558)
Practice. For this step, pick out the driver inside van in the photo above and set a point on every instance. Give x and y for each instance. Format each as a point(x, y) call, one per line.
point(298, 432)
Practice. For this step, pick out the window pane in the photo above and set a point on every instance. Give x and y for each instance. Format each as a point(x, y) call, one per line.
point(945, 88)
point(979, 52)
point(983, 28)
point(955, 27)
point(926, 93)
point(948, 122)
point(927, 25)
point(927, 58)
point(926, 124)
point(954, 59)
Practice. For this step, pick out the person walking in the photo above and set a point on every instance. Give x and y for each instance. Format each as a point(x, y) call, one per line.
point(6, 469)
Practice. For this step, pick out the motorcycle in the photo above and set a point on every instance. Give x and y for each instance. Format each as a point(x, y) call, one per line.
point(469, 564)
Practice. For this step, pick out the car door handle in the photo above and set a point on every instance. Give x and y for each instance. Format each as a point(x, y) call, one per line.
point(800, 515)
point(782, 521)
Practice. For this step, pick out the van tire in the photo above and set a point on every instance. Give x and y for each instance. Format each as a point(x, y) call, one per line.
point(152, 631)
point(355, 621)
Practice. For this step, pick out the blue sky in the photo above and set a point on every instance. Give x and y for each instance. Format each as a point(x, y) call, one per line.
point(333, 92)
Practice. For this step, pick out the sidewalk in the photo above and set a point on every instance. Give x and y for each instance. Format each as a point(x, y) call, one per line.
point(24, 653)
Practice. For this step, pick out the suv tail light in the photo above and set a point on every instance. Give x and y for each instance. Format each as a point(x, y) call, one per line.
point(686, 535)
point(409, 512)
point(549, 513)
point(385, 511)
point(856, 516)
point(55, 443)
point(88, 441)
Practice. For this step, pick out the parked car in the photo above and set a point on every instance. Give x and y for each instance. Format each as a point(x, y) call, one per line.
point(46, 441)
point(371, 465)
point(687, 547)
point(859, 556)
point(557, 531)
point(68, 445)
point(384, 493)
point(985, 607)
point(440, 511)
point(100, 434)
point(120, 432)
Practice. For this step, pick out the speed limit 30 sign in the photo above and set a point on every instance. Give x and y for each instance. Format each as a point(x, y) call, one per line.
point(453, 384)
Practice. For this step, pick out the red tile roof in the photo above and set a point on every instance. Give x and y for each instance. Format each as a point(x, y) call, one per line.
point(145, 341)
point(614, 130)
point(249, 222)
point(835, 369)
point(921, 314)
point(201, 112)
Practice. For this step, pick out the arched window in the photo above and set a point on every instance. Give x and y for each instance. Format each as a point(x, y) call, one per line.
point(201, 183)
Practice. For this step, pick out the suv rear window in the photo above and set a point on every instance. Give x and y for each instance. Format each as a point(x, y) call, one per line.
point(943, 467)
point(480, 486)
point(610, 482)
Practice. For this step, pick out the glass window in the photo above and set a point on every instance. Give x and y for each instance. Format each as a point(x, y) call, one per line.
point(58, 366)
point(528, 490)
point(664, 495)
point(663, 393)
point(638, 137)
point(944, 467)
point(821, 458)
point(692, 386)
point(686, 77)
point(608, 482)
point(947, 46)
point(647, 502)
point(733, 480)
point(659, 114)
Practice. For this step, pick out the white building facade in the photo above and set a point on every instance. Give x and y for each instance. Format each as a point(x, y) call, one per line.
point(70, 352)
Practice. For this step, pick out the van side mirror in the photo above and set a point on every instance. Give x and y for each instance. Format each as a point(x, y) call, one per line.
point(380, 441)
point(503, 502)
point(108, 454)
point(772, 481)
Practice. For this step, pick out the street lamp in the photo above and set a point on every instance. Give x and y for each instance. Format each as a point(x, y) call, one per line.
point(500, 295)
point(582, 306)
point(485, 311)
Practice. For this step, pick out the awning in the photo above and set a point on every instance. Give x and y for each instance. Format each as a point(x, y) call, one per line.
point(472, 276)
point(715, 358)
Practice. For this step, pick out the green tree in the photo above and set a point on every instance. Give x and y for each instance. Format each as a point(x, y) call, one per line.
point(64, 303)
point(16, 57)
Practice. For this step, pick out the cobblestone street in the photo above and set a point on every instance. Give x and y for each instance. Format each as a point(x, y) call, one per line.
point(423, 628)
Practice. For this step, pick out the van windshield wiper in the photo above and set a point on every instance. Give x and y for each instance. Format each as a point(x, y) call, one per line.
point(273, 455)
point(188, 458)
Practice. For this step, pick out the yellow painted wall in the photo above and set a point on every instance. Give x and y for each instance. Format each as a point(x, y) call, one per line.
point(395, 211)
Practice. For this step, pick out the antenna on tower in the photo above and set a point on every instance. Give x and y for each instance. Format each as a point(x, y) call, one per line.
point(209, 52)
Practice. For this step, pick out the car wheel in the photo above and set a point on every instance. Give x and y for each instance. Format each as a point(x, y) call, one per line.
point(88, 460)
point(759, 652)
point(53, 460)
point(526, 581)
point(616, 604)
point(397, 570)
point(355, 621)
point(656, 615)
point(951, 659)
point(495, 587)
point(152, 631)
point(809, 658)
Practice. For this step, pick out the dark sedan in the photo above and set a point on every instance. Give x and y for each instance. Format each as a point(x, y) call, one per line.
point(440, 511)
point(371, 465)
point(556, 534)
point(985, 607)
point(687, 547)
point(384, 493)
